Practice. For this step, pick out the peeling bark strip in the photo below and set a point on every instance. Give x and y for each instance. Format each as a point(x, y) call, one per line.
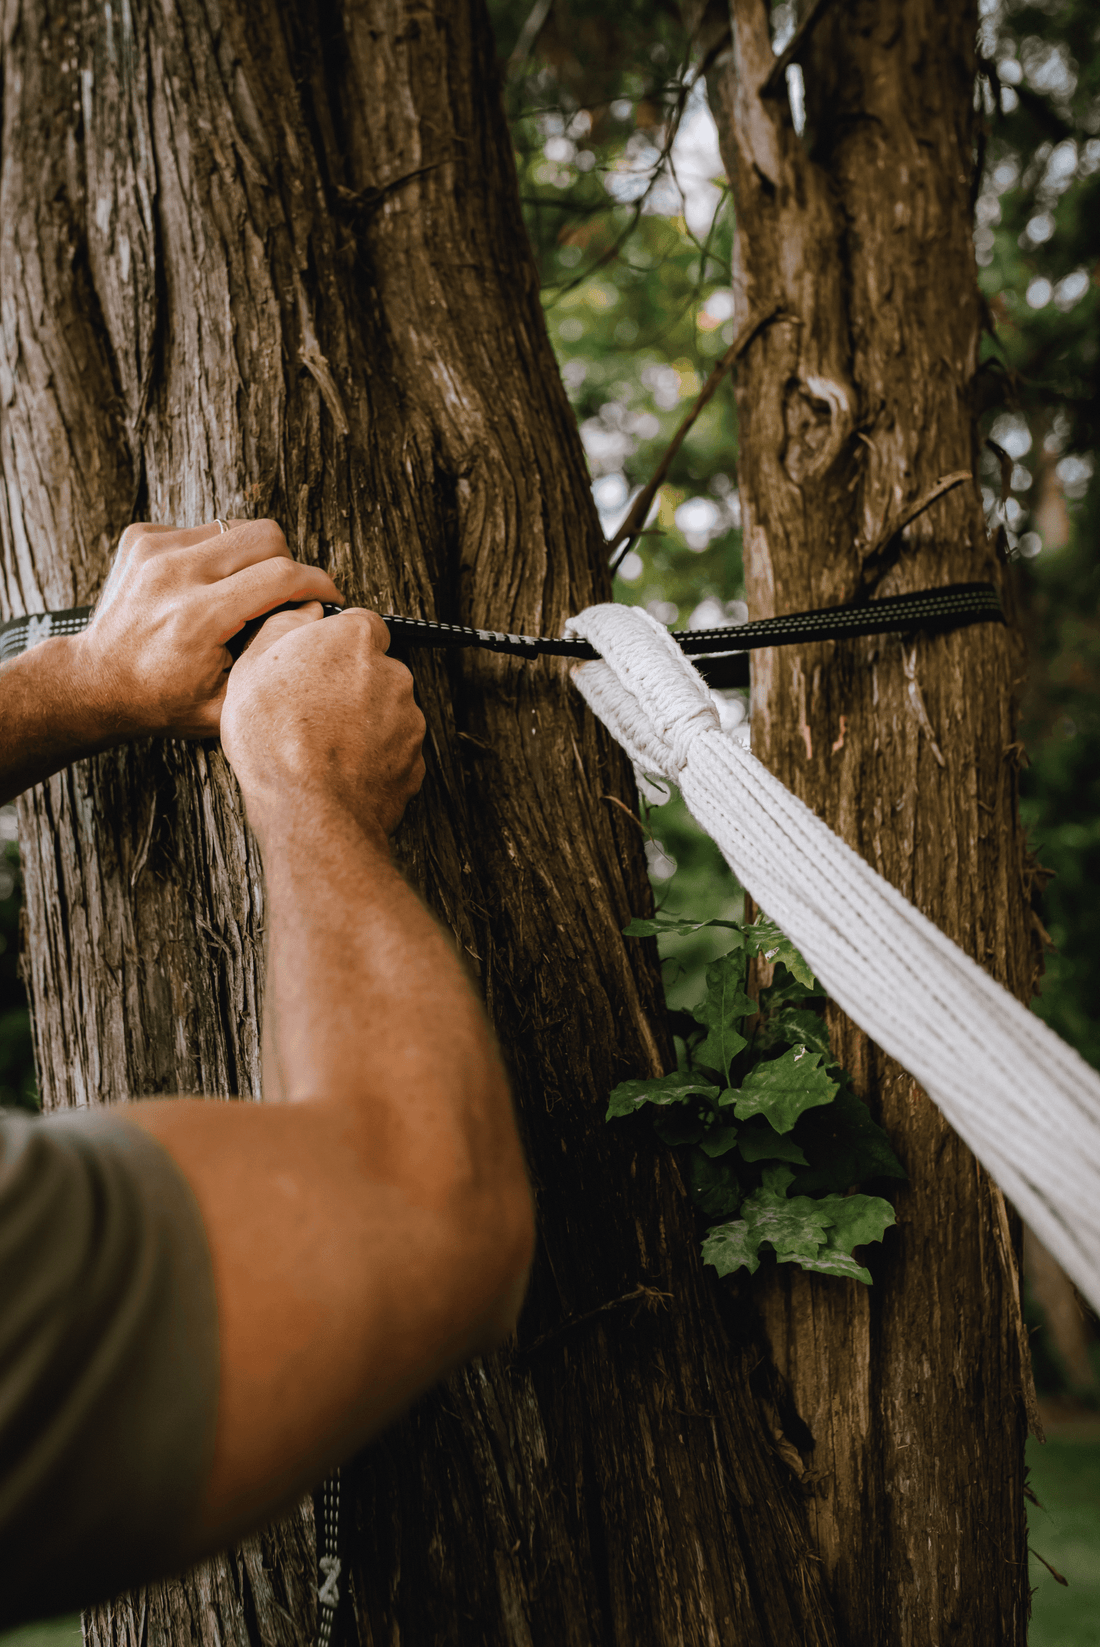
point(850, 413)
point(270, 259)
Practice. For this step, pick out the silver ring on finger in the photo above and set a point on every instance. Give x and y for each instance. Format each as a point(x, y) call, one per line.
point(222, 525)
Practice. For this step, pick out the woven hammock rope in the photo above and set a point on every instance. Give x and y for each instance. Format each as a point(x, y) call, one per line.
point(1026, 1104)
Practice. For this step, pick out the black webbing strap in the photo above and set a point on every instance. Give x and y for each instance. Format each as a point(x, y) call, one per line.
point(721, 652)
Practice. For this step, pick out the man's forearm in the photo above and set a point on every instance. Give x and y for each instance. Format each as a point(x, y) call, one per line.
point(367, 1003)
point(47, 718)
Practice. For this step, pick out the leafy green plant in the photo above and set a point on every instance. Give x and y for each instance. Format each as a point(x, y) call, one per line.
point(774, 1137)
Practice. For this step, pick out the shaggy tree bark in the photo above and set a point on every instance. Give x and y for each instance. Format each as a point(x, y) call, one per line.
point(269, 259)
point(853, 403)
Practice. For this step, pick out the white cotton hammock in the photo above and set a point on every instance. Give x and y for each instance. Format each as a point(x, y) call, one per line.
point(1025, 1103)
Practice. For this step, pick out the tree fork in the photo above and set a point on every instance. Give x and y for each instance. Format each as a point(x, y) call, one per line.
point(270, 260)
point(915, 1391)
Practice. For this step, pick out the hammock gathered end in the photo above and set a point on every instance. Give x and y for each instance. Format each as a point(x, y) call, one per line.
point(1027, 1104)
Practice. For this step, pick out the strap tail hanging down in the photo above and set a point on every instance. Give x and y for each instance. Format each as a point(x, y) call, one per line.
point(1026, 1103)
point(953, 606)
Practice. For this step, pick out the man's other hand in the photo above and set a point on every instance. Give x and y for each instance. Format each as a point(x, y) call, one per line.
point(154, 660)
point(316, 708)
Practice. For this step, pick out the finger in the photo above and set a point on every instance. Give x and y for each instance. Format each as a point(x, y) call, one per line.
point(379, 629)
point(274, 628)
point(219, 557)
point(248, 594)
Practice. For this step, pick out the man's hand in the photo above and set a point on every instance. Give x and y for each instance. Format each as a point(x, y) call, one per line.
point(317, 709)
point(153, 661)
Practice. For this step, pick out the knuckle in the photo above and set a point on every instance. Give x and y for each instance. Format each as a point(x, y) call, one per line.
point(132, 535)
point(272, 536)
point(145, 569)
point(143, 545)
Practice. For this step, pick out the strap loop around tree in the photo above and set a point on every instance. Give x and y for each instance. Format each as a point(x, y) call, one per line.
point(721, 652)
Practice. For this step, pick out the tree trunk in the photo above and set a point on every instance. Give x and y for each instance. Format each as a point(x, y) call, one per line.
point(853, 403)
point(269, 260)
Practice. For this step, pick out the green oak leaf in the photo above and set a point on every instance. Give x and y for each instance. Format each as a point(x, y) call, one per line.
point(719, 1140)
point(713, 1186)
point(729, 1246)
point(833, 1263)
point(654, 926)
point(676, 1088)
point(759, 1141)
point(785, 990)
point(782, 1088)
point(723, 1007)
point(763, 937)
point(844, 1145)
point(856, 1220)
point(796, 1027)
point(818, 1234)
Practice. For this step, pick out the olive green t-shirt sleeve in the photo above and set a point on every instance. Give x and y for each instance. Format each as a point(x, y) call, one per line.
point(108, 1361)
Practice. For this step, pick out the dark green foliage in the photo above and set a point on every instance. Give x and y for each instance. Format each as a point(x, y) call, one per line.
point(595, 108)
point(817, 1234)
point(781, 1089)
point(761, 1108)
point(721, 1011)
point(714, 1185)
point(763, 937)
point(665, 1089)
point(844, 1145)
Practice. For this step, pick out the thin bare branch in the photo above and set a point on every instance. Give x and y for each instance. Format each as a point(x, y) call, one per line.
point(528, 35)
point(633, 816)
point(650, 1297)
point(885, 551)
point(898, 523)
point(631, 527)
point(1033, 1551)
